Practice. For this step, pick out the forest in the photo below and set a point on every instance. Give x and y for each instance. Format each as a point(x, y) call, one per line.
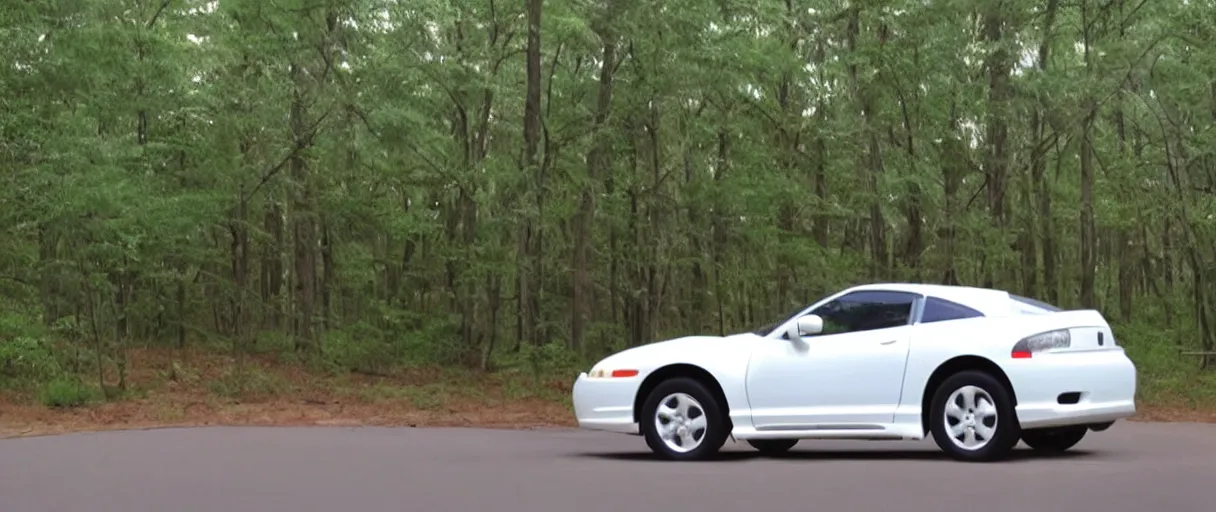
point(264, 200)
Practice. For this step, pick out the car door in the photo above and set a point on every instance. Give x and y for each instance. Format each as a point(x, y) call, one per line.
point(848, 376)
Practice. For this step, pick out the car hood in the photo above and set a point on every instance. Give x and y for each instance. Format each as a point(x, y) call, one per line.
point(679, 350)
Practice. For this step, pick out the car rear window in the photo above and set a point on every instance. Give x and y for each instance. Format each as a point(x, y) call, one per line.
point(941, 310)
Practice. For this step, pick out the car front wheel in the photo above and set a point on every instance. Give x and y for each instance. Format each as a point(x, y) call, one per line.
point(1054, 439)
point(681, 420)
point(972, 418)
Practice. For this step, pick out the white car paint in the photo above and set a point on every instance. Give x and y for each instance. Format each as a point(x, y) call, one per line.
point(872, 384)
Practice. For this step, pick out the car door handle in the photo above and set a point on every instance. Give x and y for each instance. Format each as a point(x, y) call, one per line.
point(888, 342)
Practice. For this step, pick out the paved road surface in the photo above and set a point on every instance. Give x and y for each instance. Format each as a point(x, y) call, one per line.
point(1133, 467)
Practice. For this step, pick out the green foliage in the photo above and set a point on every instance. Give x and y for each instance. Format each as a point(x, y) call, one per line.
point(68, 392)
point(359, 347)
point(349, 182)
point(551, 359)
point(1164, 375)
point(27, 361)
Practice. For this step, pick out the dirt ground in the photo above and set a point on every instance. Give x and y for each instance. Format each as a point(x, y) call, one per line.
point(172, 389)
point(168, 390)
point(28, 420)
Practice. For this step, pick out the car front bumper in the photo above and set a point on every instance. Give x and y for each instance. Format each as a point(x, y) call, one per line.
point(605, 404)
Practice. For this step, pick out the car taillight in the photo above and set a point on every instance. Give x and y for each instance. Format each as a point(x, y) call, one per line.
point(1028, 346)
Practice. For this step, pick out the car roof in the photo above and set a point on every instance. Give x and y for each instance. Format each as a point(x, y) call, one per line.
point(989, 301)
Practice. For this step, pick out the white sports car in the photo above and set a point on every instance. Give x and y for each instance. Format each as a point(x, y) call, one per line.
point(978, 368)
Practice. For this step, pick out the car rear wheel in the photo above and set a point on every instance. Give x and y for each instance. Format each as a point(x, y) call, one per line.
point(772, 446)
point(1054, 439)
point(972, 418)
point(681, 420)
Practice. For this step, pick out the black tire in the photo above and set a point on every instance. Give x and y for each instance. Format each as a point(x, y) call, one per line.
point(712, 437)
point(1056, 439)
point(772, 446)
point(1007, 430)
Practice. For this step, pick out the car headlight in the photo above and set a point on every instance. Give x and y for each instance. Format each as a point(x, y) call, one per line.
point(1028, 346)
point(602, 373)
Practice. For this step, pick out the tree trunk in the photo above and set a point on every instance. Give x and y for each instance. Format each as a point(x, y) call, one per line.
point(597, 161)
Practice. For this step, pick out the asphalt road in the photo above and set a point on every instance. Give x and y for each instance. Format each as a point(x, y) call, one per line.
point(1132, 467)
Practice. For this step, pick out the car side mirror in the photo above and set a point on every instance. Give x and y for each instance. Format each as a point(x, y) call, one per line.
point(806, 325)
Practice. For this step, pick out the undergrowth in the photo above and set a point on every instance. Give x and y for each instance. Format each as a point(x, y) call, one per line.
point(375, 366)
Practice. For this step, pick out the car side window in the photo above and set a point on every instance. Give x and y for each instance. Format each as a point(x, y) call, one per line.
point(866, 311)
point(940, 310)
